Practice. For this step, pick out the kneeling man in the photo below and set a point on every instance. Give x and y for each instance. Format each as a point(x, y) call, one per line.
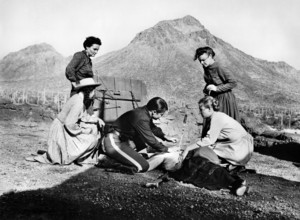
point(136, 126)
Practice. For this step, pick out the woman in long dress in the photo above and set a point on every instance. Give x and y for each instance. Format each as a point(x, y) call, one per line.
point(219, 84)
point(74, 133)
point(219, 81)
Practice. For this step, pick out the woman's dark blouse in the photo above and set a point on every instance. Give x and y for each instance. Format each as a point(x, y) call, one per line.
point(80, 67)
point(220, 77)
point(223, 80)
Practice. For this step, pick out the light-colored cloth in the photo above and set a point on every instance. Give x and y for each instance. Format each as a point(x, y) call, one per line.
point(66, 141)
point(208, 153)
point(228, 139)
point(165, 160)
point(170, 161)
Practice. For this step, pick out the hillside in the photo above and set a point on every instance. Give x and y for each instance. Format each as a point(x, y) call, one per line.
point(34, 67)
point(162, 56)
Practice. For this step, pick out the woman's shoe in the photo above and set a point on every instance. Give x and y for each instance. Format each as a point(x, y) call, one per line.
point(239, 187)
point(242, 190)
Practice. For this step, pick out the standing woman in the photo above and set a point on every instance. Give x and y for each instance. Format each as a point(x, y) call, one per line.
point(74, 133)
point(219, 82)
point(80, 66)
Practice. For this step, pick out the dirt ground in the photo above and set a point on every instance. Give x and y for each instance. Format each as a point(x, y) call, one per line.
point(33, 191)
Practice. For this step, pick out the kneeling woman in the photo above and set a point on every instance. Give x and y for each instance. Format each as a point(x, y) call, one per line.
point(226, 140)
point(73, 134)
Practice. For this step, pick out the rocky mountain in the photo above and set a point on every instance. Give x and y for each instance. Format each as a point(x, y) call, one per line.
point(162, 56)
point(36, 66)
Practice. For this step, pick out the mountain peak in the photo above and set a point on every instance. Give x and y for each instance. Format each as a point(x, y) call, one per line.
point(169, 31)
point(38, 48)
point(189, 20)
point(31, 50)
point(40, 59)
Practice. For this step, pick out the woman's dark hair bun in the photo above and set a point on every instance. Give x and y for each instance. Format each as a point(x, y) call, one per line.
point(215, 104)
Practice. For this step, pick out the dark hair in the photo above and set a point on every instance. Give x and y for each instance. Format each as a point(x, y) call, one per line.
point(203, 50)
point(209, 102)
point(158, 104)
point(87, 101)
point(89, 41)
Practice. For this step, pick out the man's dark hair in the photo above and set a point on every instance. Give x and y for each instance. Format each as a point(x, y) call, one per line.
point(89, 41)
point(158, 104)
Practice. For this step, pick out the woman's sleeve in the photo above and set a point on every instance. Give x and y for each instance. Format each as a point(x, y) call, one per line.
point(213, 133)
point(72, 66)
point(205, 91)
point(71, 122)
point(228, 81)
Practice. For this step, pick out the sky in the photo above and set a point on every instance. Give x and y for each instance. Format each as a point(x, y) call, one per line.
point(265, 29)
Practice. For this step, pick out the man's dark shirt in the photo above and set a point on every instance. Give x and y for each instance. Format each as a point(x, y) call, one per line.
point(138, 126)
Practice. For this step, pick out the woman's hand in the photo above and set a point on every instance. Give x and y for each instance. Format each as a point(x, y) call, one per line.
point(188, 149)
point(204, 142)
point(101, 122)
point(87, 130)
point(211, 87)
point(74, 84)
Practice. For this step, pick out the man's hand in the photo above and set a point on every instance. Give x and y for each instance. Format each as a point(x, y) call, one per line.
point(171, 139)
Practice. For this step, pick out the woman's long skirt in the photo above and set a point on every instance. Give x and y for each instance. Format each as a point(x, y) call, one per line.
point(65, 148)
